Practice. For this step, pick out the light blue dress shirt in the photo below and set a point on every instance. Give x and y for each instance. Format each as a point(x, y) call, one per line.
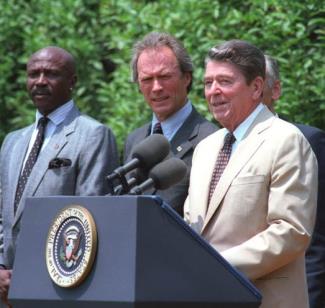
point(243, 127)
point(174, 122)
point(55, 119)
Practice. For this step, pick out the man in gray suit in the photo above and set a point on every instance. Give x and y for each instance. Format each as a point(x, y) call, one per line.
point(67, 154)
point(163, 71)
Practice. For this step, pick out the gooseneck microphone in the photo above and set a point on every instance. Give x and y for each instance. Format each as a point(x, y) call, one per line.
point(146, 154)
point(163, 175)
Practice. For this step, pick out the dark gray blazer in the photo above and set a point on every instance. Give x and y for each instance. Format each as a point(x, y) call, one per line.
point(194, 129)
point(315, 255)
point(89, 145)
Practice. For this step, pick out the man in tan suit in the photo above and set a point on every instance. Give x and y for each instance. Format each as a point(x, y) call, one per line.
point(258, 211)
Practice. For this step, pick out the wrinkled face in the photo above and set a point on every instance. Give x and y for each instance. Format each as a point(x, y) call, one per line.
point(50, 80)
point(229, 97)
point(161, 82)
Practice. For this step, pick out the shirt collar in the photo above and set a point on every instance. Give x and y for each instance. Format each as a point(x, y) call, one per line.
point(171, 125)
point(243, 127)
point(241, 130)
point(59, 114)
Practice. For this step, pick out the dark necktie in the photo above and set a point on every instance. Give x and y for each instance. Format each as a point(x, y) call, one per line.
point(221, 163)
point(32, 157)
point(157, 129)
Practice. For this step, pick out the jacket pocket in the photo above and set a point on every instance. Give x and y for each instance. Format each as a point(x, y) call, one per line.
point(251, 179)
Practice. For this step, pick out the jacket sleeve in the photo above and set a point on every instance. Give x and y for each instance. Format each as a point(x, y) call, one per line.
point(98, 158)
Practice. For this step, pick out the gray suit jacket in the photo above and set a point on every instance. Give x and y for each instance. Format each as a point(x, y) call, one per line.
point(88, 144)
point(194, 129)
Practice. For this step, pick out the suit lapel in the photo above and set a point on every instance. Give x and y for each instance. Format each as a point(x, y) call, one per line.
point(57, 142)
point(181, 148)
point(206, 170)
point(181, 142)
point(138, 136)
point(143, 133)
point(244, 152)
point(15, 166)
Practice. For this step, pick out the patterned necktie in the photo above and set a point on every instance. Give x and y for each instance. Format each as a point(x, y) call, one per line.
point(157, 129)
point(32, 157)
point(221, 163)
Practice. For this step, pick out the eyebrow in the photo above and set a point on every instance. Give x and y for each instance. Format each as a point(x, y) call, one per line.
point(220, 76)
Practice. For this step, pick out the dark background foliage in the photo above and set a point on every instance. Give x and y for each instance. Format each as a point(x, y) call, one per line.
point(100, 35)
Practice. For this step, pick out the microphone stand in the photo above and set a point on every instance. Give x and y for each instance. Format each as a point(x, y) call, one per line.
point(124, 187)
point(138, 190)
point(120, 190)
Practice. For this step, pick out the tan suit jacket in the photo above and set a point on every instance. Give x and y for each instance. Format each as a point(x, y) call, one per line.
point(262, 212)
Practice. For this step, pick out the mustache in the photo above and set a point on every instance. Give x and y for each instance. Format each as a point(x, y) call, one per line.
point(40, 91)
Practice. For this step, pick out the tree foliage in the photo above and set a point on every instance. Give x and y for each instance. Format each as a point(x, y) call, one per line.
point(100, 35)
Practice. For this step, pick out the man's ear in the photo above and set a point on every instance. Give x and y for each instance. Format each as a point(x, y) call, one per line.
point(188, 78)
point(258, 85)
point(276, 90)
point(73, 81)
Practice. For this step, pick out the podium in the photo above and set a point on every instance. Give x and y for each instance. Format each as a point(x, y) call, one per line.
point(147, 256)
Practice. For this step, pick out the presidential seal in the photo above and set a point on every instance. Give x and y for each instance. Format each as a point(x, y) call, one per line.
point(71, 246)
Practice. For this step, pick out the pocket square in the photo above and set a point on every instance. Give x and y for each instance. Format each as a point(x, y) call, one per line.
point(59, 162)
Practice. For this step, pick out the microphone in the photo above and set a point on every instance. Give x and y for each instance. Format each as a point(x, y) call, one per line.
point(145, 155)
point(163, 175)
point(119, 190)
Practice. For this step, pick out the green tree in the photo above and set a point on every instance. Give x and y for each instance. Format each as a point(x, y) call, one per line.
point(100, 34)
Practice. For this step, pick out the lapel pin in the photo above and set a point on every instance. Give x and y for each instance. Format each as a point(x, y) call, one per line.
point(179, 148)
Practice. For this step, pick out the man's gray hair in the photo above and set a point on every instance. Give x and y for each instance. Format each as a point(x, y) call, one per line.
point(156, 40)
point(272, 70)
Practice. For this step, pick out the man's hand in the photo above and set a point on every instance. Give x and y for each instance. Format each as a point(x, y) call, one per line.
point(5, 277)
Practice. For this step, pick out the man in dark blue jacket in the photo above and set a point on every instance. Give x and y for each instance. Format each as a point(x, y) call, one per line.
point(315, 255)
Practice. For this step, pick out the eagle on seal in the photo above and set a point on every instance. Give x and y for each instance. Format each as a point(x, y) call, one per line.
point(72, 238)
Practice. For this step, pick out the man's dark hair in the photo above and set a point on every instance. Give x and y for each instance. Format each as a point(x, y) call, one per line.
point(155, 40)
point(246, 57)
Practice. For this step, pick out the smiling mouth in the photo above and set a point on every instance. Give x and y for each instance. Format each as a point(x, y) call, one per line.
point(217, 104)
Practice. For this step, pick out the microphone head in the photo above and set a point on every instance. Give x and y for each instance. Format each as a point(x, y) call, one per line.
point(168, 173)
point(151, 151)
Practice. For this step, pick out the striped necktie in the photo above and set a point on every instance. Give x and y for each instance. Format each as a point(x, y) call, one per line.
point(32, 157)
point(221, 163)
point(157, 129)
